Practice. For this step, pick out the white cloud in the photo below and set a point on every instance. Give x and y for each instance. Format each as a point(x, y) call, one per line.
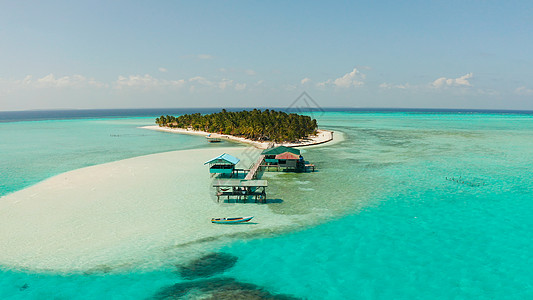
point(250, 72)
point(224, 83)
point(51, 81)
point(351, 79)
point(27, 81)
point(146, 81)
point(305, 80)
point(240, 86)
point(201, 80)
point(161, 69)
point(394, 86)
point(123, 82)
point(523, 91)
point(453, 82)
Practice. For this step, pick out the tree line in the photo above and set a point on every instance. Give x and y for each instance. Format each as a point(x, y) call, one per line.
point(266, 125)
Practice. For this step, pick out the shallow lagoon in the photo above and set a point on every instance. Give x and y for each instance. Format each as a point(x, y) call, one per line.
point(395, 226)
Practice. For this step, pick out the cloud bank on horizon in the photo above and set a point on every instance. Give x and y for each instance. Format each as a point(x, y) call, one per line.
point(453, 55)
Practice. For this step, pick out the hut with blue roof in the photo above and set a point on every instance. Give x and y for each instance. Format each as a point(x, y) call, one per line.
point(222, 164)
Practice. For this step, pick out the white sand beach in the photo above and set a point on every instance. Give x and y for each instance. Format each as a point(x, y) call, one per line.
point(126, 213)
point(323, 136)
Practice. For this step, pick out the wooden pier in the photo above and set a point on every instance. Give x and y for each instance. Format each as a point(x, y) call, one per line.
point(241, 190)
point(282, 158)
point(255, 168)
point(309, 167)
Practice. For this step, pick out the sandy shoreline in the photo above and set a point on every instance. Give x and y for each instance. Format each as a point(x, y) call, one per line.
point(323, 136)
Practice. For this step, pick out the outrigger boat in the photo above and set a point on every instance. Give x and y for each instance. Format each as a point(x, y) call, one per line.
point(231, 220)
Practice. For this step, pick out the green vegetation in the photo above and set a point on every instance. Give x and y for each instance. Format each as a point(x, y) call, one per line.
point(267, 125)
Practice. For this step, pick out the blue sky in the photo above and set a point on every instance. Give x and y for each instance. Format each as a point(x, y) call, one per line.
point(140, 54)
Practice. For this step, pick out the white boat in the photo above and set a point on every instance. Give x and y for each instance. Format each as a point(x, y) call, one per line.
point(231, 220)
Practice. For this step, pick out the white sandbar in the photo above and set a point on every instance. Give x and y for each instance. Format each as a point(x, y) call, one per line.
point(121, 213)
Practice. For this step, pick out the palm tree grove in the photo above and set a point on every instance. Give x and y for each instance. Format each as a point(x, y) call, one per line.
point(257, 125)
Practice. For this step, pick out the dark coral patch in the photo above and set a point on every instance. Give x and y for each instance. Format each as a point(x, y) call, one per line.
point(207, 266)
point(220, 289)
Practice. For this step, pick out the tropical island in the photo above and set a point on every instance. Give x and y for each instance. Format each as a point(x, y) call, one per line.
point(257, 127)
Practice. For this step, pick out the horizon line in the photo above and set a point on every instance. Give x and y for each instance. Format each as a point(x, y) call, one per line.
point(303, 109)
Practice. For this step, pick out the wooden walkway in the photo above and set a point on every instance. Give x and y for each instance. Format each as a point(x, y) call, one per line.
point(255, 168)
point(241, 189)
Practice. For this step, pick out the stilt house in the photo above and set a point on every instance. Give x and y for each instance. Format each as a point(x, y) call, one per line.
point(285, 158)
point(222, 164)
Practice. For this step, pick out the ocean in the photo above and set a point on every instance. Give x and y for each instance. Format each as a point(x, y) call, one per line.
point(409, 205)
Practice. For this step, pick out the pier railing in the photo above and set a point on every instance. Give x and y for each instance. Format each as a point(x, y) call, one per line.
point(255, 168)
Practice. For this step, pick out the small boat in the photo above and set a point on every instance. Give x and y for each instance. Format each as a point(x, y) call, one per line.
point(212, 139)
point(231, 220)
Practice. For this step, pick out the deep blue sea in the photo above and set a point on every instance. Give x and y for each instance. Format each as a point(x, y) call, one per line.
point(421, 204)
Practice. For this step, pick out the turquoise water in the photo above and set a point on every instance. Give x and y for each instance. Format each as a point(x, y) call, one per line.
point(422, 206)
point(421, 236)
point(33, 151)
